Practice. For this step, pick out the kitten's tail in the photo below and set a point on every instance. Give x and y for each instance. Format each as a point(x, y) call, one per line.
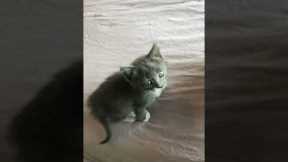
point(102, 119)
point(107, 130)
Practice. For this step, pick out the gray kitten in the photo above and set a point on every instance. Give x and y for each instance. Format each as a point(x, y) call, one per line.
point(132, 90)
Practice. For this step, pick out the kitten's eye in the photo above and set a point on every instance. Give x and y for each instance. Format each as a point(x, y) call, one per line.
point(161, 74)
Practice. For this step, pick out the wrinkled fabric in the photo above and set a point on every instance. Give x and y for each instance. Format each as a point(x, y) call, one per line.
point(117, 32)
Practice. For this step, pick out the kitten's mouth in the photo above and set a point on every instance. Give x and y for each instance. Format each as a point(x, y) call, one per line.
point(157, 86)
point(153, 88)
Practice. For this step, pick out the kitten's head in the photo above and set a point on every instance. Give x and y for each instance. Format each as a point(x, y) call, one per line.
point(147, 72)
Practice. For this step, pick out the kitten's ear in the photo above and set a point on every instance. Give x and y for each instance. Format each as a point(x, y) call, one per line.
point(127, 72)
point(154, 52)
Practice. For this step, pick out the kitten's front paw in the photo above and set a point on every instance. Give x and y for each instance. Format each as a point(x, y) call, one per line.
point(144, 116)
point(147, 117)
point(130, 118)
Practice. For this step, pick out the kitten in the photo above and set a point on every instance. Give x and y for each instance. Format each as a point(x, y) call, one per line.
point(133, 89)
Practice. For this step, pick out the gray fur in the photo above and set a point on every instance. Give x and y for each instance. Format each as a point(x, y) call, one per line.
point(132, 89)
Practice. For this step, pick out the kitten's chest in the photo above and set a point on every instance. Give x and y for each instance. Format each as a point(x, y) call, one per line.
point(157, 92)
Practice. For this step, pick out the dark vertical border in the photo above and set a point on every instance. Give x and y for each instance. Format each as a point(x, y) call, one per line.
point(41, 80)
point(246, 81)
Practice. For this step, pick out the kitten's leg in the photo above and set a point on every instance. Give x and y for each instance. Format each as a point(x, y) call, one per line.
point(130, 118)
point(142, 115)
point(147, 117)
